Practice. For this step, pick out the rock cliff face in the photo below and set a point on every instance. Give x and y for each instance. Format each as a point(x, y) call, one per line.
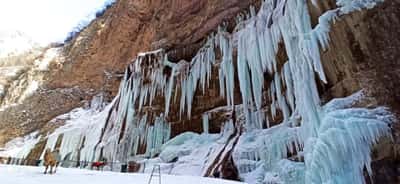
point(111, 42)
point(363, 54)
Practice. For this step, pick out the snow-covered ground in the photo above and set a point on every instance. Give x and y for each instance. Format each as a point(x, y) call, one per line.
point(33, 175)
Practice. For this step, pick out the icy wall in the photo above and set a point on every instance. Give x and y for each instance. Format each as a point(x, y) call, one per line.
point(313, 143)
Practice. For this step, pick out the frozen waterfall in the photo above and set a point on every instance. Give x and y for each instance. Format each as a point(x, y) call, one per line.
point(314, 143)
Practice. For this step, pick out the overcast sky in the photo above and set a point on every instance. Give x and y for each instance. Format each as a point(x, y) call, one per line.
point(46, 20)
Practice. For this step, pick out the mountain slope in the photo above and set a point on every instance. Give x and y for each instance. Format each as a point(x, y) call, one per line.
point(14, 43)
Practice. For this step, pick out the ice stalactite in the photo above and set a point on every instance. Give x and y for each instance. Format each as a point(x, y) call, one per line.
point(157, 135)
point(249, 50)
point(206, 123)
point(281, 98)
point(169, 90)
point(138, 134)
point(289, 85)
point(226, 69)
point(259, 119)
point(197, 75)
point(71, 141)
point(244, 82)
point(272, 96)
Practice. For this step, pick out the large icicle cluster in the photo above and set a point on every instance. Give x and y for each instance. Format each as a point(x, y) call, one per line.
point(321, 132)
point(345, 138)
point(130, 127)
point(81, 132)
point(226, 69)
point(338, 154)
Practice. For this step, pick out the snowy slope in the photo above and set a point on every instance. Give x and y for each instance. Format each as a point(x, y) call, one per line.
point(33, 175)
point(14, 42)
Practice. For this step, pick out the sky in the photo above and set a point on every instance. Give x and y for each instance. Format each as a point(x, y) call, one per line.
point(46, 21)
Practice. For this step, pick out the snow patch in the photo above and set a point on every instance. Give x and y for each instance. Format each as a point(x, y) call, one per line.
point(33, 175)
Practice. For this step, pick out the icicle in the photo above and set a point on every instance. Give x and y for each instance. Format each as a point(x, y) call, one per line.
point(169, 92)
point(272, 97)
point(244, 78)
point(226, 70)
point(253, 58)
point(157, 135)
point(200, 72)
point(281, 99)
point(205, 123)
point(289, 85)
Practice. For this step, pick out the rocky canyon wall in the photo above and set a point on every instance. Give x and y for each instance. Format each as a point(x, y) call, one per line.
point(363, 54)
